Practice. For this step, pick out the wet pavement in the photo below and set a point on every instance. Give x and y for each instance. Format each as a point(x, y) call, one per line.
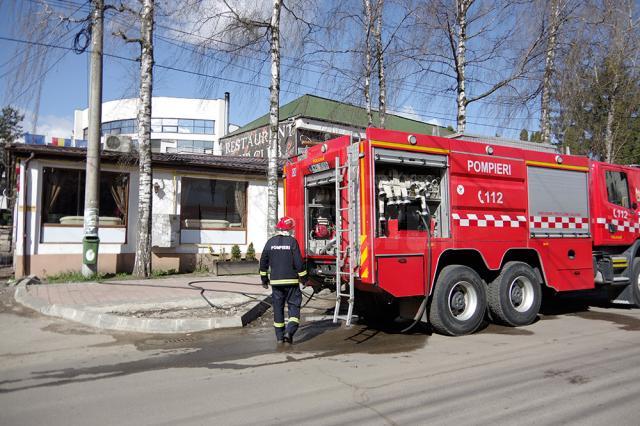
point(368, 374)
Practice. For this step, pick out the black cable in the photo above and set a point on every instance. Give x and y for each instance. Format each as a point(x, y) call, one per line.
point(82, 39)
point(423, 305)
point(250, 295)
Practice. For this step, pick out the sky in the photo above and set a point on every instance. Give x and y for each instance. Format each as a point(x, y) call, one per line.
point(65, 82)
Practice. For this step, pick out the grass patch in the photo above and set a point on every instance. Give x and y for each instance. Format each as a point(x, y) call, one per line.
point(77, 277)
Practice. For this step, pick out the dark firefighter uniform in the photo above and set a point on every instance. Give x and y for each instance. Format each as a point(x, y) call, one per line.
point(282, 256)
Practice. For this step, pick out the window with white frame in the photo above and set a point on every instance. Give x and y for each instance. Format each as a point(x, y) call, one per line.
point(63, 197)
point(213, 204)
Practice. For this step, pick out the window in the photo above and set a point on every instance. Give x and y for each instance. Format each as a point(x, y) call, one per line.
point(617, 188)
point(195, 147)
point(63, 197)
point(158, 125)
point(209, 203)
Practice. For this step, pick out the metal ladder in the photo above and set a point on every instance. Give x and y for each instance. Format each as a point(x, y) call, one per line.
point(346, 262)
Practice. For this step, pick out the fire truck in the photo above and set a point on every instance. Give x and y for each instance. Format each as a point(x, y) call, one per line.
point(452, 231)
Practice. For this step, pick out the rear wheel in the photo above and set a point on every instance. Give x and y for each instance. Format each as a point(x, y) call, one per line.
point(459, 301)
point(514, 296)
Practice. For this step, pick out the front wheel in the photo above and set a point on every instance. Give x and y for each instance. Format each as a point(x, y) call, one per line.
point(514, 296)
point(459, 301)
point(635, 281)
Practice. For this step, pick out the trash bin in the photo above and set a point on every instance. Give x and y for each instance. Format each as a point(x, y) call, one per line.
point(90, 245)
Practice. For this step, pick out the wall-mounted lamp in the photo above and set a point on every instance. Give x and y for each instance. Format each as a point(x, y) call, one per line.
point(158, 189)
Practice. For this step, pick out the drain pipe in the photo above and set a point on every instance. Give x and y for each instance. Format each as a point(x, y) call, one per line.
point(24, 188)
point(227, 106)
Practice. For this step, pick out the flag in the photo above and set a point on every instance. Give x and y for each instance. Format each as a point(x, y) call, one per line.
point(31, 139)
point(60, 142)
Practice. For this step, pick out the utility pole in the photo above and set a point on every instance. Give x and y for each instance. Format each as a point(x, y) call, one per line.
point(91, 240)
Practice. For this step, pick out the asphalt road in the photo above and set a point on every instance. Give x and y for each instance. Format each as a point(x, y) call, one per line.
point(576, 365)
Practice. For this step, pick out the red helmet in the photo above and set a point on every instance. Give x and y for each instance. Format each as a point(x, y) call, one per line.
point(285, 224)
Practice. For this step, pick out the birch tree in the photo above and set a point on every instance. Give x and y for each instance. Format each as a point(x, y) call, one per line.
point(597, 89)
point(556, 13)
point(481, 45)
point(621, 25)
point(145, 16)
point(235, 30)
point(374, 57)
point(272, 28)
point(382, 83)
point(368, 66)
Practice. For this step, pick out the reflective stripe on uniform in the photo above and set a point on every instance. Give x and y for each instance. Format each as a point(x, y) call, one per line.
point(263, 273)
point(287, 281)
point(302, 274)
point(294, 319)
point(278, 324)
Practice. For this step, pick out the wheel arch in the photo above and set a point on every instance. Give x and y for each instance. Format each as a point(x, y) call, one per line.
point(475, 260)
point(526, 255)
point(465, 257)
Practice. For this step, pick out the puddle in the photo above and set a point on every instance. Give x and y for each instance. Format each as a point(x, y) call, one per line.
point(505, 330)
point(625, 322)
point(233, 349)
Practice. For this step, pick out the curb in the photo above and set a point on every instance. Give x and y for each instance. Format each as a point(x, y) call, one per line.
point(139, 325)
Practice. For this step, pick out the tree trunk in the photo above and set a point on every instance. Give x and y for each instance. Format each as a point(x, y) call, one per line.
point(460, 53)
point(274, 113)
point(611, 113)
point(549, 69)
point(368, 61)
point(142, 265)
point(382, 95)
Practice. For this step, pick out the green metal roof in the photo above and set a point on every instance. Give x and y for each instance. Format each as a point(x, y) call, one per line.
point(310, 106)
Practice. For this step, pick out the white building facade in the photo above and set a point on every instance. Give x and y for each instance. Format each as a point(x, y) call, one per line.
point(178, 125)
point(203, 205)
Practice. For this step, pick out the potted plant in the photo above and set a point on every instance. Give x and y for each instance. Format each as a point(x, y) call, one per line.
point(236, 265)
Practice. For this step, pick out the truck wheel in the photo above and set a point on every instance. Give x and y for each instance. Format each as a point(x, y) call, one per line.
point(459, 301)
point(514, 296)
point(635, 281)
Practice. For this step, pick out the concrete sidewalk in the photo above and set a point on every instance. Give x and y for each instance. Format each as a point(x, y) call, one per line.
point(166, 305)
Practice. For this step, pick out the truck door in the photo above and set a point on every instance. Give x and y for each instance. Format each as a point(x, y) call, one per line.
point(616, 218)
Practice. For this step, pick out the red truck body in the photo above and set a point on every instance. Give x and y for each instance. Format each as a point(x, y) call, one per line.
point(490, 208)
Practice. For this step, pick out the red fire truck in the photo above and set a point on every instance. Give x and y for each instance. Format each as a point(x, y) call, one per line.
point(446, 230)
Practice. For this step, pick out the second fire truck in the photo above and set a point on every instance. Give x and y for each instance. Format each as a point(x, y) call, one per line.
point(446, 229)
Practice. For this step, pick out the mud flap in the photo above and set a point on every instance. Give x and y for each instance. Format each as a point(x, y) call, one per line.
point(622, 295)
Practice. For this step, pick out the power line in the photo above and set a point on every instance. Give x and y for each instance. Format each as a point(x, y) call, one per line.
point(44, 38)
point(428, 114)
point(419, 88)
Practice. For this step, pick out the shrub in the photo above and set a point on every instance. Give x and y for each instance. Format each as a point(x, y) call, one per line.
point(251, 252)
point(236, 255)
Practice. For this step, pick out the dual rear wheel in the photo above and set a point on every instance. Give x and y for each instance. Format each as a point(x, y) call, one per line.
point(461, 298)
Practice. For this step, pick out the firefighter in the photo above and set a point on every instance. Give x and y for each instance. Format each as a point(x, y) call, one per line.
point(282, 255)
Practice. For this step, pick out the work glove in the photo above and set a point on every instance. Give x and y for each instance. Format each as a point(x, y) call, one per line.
point(265, 281)
point(304, 281)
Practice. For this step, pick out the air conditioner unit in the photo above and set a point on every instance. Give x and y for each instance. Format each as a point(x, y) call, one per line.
point(116, 143)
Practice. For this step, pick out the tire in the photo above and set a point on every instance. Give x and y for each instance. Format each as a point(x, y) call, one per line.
point(635, 281)
point(514, 297)
point(459, 301)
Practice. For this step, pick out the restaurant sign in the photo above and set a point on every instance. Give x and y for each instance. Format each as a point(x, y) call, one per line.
point(254, 143)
